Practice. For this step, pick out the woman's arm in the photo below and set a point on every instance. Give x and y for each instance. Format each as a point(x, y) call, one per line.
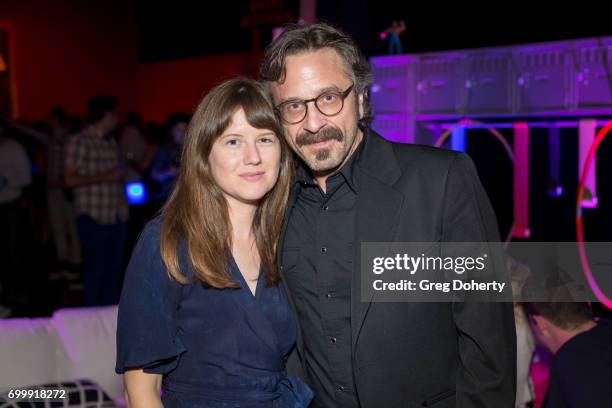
point(142, 390)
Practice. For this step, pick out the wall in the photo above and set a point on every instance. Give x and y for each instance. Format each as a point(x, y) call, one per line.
point(68, 50)
point(177, 86)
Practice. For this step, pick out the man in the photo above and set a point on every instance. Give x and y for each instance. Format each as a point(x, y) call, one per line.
point(352, 186)
point(92, 170)
point(581, 371)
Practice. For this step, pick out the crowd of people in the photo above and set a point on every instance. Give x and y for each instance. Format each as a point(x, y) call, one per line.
point(67, 224)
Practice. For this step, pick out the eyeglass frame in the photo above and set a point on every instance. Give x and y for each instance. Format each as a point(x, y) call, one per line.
point(343, 95)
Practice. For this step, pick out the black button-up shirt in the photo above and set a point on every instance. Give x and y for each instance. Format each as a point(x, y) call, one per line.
point(320, 237)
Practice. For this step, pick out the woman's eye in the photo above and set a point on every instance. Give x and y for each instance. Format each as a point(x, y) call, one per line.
point(266, 140)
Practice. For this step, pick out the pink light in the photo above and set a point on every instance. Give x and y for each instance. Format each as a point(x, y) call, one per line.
point(521, 181)
point(579, 227)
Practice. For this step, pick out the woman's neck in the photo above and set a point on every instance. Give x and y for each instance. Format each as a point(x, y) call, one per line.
point(241, 219)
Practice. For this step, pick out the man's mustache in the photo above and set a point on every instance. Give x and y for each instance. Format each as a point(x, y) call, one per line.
point(329, 133)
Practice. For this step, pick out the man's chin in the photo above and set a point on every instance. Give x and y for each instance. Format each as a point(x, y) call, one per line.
point(322, 166)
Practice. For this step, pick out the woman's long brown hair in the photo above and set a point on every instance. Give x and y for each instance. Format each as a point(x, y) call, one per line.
point(196, 213)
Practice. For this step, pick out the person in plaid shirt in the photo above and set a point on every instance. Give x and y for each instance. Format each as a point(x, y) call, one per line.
point(93, 171)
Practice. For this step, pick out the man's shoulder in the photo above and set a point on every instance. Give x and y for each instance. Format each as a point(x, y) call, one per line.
point(11, 146)
point(409, 152)
point(425, 159)
point(423, 152)
point(590, 348)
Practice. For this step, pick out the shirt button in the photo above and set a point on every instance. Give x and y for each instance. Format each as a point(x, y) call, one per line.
point(325, 208)
point(340, 388)
point(324, 249)
point(333, 340)
point(329, 295)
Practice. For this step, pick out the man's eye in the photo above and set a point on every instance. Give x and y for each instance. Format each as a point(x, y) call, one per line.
point(294, 106)
point(328, 98)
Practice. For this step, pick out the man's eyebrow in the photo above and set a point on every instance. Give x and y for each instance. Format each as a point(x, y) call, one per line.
point(332, 88)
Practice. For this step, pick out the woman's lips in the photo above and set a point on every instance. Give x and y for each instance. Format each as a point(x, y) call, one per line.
point(254, 176)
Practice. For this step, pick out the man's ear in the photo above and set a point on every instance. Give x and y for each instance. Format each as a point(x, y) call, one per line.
point(542, 324)
point(360, 102)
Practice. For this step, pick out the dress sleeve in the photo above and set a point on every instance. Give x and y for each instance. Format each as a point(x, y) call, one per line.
point(146, 326)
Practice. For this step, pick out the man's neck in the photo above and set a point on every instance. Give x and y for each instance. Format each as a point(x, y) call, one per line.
point(567, 335)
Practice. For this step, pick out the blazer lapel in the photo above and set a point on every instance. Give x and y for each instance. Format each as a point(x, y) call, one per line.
point(279, 257)
point(378, 207)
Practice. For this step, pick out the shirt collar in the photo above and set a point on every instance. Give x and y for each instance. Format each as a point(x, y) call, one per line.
point(347, 171)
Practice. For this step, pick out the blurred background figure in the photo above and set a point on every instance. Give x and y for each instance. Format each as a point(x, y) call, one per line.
point(167, 160)
point(59, 198)
point(93, 170)
point(525, 342)
point(392, 35)
point(53, 136)
point(581, 371)
point(132, 146)
point(15, 174)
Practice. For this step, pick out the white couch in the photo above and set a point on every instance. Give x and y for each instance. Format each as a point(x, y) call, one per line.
point(72, 344)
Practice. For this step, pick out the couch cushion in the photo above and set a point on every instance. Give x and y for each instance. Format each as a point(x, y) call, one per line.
point(30, 352)
point(88, 336)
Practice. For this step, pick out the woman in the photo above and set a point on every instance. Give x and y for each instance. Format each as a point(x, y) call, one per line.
point(201, 314)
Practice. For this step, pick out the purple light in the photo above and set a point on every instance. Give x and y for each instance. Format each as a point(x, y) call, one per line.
point(555, 191)
point(391, 60)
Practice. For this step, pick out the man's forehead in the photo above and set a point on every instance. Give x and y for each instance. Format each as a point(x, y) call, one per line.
point(291, 91)
point(309, 74)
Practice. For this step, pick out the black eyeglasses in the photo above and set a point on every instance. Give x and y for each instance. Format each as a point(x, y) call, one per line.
point(329, 103)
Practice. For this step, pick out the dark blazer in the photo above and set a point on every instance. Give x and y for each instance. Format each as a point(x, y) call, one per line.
point(424, 354)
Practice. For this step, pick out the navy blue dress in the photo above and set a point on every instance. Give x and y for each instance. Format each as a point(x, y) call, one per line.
point(214, 347)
